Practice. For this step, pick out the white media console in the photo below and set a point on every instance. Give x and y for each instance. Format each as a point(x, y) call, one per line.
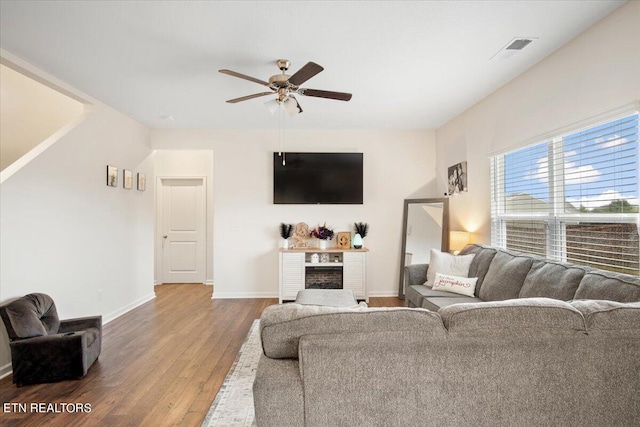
point(342, 269)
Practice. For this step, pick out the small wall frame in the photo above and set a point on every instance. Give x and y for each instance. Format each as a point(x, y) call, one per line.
point(112, 176)
point(127, 179)
point(142, 181)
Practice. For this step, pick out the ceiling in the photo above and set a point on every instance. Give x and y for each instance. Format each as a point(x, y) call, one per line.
point(409, 65)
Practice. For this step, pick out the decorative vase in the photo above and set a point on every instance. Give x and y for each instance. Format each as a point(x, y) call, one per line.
point(322, 244)
point(285, 243)
point(357, 241)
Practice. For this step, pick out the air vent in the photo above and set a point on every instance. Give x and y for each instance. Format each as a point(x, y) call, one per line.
point(519, 44)
point(513, 47)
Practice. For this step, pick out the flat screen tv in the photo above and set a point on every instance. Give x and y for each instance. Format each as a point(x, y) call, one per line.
point(318, 178)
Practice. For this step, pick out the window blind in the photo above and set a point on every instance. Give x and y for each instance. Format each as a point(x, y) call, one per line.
point(572, 198)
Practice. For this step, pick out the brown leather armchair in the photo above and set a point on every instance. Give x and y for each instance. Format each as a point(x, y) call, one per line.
point(45, 349)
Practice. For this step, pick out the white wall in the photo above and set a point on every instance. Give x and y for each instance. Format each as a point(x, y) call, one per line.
point(596, 72)
point(66, 234)
point(192, 163)
point(397, 165)
point(29, 113)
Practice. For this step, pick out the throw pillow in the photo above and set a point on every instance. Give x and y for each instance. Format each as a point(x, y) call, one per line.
point(444, 263)
point(455, 284)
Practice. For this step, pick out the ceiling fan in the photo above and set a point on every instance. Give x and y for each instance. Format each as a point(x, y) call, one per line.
point(285, 86)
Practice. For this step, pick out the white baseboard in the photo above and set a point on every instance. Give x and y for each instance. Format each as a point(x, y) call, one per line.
point(209, 282)
point(5, 370)
point(114, 315)
point(383, 293)
point(228, 295)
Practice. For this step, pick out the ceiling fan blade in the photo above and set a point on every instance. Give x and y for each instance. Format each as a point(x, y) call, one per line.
point(340, 96)
point(244, 98)
point(305, 73)
point(243, 76)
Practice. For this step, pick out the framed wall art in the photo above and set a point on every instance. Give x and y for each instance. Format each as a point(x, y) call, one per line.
point(127, 177)
point(457, 175)
point(142, 181)
point(112, 176)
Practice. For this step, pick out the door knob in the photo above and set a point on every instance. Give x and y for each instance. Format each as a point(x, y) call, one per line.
point(164, 237)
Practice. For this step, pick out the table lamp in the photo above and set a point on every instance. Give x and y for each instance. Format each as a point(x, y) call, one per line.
point(458, 240)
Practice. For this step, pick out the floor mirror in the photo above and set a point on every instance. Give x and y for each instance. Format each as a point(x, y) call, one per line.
point(425, 227)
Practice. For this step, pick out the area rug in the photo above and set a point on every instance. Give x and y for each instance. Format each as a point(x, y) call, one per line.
point(233, 406)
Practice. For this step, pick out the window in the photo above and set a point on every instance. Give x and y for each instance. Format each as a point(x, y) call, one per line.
point(572, 198)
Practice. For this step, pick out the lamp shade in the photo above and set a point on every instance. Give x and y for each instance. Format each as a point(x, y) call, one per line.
point(290, 105)
point(458, 240)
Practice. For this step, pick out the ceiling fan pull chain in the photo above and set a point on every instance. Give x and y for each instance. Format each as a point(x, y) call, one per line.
point(281, 131)
point(284, 157)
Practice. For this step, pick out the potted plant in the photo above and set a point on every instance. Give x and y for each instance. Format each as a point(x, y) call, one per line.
point(322, 233)
point(285, 233)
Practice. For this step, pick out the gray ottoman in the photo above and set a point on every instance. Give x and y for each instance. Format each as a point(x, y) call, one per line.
point(327, 297)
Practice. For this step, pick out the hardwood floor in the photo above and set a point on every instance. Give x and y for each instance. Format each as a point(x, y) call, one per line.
point(162, 364)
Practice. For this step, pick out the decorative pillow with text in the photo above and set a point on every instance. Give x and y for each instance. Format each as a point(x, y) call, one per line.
point(455, 284)
point(445, 263)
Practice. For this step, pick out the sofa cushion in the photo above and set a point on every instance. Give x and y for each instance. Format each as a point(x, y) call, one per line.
point(444, 263)
point(430, 292)
point(605, 285)
point(552, 280)
point(522, 313)
point(505, 276)
point(413, 295)
point(481, 262)
point(281, 326)
point(455, 284)
point(435, 304)
point(609, 315)
point(417, 293)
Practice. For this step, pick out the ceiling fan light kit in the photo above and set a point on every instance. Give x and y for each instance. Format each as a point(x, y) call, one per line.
point(285, 86)
point(289, 105)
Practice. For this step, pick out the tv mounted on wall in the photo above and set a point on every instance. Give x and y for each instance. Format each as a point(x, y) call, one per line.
point(318, 178)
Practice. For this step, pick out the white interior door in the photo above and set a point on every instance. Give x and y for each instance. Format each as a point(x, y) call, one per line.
point(183, 230)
